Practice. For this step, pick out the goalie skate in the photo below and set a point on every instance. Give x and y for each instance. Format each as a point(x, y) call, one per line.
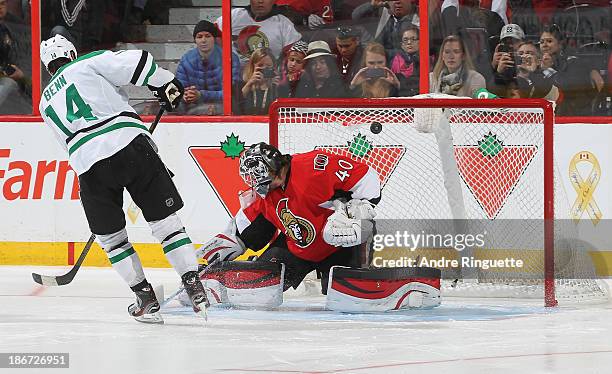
point(146, 308)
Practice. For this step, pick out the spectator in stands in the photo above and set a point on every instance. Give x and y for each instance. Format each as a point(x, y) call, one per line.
point(321, 77)
point(83, 19)
point(293, 67)
point(15, 86)
point(374, 16)
point(504, 61)
point(374, 79)
point(460, 15)
point(200, 72)
point(405, 64)
point(260, 83)
point(311, 13)
point(403, 13)
point(530, 81)
point(454, 73)
point(5, 16)
point(350, 52)
point(573, 77)
point(261, 25)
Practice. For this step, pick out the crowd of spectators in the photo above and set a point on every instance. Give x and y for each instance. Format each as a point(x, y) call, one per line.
point(558, 50)
point(475, 45)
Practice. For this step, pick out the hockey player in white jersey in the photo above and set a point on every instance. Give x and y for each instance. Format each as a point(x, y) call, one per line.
point(110, 149)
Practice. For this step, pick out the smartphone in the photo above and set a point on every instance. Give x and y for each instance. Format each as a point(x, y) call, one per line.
point(268, 73)
point(374, 73)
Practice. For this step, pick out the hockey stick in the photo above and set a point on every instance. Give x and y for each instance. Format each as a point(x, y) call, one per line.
point(60, 280)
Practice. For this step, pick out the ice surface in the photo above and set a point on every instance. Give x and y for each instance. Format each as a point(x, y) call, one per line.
point(88, 319)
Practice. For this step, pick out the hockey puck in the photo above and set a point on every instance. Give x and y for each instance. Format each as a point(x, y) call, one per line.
point(376, 127)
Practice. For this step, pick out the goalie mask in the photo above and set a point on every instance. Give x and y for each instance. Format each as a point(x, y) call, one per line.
point(258, 166)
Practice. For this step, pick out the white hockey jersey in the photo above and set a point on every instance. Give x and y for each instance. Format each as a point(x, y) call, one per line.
point(88, 111)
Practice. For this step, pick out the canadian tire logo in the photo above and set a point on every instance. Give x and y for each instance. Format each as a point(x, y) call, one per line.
point(219, 166)
point(491, 170)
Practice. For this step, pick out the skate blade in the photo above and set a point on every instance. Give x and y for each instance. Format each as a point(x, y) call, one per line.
point(201, 310)
point(150, 318)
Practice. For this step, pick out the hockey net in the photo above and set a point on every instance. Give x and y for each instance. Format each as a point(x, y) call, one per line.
point(458, 166)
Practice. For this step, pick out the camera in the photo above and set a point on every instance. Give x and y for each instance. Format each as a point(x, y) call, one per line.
point(374, 73)
point(7, 70)
point(510, 72)
point(505, 48)
point(268, 73)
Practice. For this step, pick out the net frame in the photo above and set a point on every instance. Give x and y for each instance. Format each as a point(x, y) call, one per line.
point(435, 103)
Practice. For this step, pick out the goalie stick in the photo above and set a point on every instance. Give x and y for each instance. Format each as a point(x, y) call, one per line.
point(60, 280)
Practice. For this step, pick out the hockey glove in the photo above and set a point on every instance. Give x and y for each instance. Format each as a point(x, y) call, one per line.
point(340, 230)
point(225, 245)
point(169, 94)
point(360, 209)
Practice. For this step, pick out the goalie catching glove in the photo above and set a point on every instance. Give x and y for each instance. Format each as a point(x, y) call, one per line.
point(169, 94)
point(350, 224)
point(226, 245)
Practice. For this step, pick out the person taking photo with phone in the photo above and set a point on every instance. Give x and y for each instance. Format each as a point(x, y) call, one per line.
point(374, 79)
point(260, 83)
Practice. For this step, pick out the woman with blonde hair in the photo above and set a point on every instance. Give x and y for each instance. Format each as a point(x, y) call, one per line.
point(260, 83)
point(454, 72)
point(375, 79)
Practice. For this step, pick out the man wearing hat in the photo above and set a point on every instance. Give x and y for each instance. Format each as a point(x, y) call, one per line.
point(200, 72)
point(503, 59)
point(321, 78)
point(350, 52)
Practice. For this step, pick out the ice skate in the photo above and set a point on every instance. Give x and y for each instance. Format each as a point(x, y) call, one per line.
point(195, 290)
point(146, 308)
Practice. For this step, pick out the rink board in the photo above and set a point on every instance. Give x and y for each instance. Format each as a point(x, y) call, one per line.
point(43, 222)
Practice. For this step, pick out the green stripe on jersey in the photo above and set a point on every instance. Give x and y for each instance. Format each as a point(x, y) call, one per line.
point(176, 244)
point(151, 71)
point(128, 252)
point(116, 126)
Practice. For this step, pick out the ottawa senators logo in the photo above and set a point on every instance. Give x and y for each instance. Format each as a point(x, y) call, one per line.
point(297, 228)
point(251, 38)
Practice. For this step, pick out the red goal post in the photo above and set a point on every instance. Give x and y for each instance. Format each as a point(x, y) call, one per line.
point(338, 114)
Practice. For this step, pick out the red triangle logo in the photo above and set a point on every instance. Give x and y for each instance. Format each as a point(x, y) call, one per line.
point(382, 158)
point(222, 175)
point(491, 179)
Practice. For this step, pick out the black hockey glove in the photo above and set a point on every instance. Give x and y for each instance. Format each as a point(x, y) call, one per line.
point(169, 94)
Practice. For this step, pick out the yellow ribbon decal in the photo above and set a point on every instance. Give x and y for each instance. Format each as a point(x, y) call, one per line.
point(585, 187)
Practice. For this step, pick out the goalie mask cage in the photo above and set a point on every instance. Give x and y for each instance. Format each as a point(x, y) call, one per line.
point(462, 160)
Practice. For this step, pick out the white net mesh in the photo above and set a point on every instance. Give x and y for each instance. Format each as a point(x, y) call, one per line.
point(484, 165)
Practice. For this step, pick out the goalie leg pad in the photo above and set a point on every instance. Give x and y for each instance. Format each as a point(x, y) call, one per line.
point(382, 290)
point(248, 284)
point(226, 245)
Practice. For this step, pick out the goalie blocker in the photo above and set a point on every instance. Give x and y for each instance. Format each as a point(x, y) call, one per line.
point(382, 289)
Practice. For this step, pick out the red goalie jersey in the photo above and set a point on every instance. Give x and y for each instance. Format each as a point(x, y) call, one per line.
point(301, 209)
